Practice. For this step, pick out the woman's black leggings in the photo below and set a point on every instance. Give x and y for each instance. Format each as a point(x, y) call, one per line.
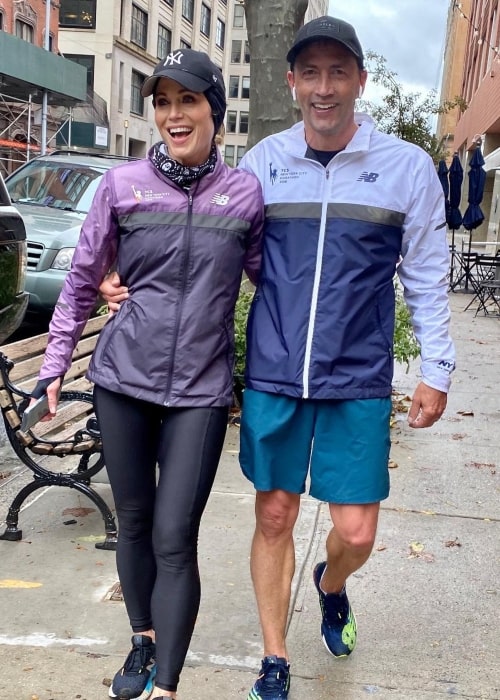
point(158, 524)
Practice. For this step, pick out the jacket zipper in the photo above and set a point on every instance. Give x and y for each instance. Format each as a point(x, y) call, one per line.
point(180, 305)
point(315, 292)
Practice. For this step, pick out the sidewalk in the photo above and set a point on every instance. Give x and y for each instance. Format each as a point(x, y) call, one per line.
point(427, 602)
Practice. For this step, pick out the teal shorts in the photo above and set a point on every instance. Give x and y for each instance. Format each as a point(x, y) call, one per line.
point(341, 445)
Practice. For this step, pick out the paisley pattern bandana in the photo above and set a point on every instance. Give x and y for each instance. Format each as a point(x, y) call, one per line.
point(182, 175)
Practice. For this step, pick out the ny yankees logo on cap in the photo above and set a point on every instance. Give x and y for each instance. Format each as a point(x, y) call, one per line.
point(173, 58)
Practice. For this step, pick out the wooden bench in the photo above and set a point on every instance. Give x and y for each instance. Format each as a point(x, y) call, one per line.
point(72, 436)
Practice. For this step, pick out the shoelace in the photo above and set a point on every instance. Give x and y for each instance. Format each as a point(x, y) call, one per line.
point(336, 609)
point(273, 675)
point(138, 658)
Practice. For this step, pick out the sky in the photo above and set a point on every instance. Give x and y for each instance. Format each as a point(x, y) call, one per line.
point(408, 33)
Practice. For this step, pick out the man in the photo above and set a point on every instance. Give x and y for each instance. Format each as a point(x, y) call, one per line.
point(345, 206)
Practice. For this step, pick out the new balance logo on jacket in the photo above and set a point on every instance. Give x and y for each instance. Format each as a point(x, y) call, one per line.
point(367, 177)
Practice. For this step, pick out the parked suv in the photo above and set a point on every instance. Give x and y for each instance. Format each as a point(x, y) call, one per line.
point(13, 298)
point(54, 193)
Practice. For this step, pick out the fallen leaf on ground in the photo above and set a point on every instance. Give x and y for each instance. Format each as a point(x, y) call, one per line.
point(78, 512)
point(480, 465)
point(465, 413)
point(453, 543)
point(393, 464)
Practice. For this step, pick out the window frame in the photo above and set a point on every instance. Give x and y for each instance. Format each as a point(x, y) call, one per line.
point(79, 8)
point(136, 99)
point(139, 27)
point(234, 81)
point(188, 10)
point(220, 33)
point(162, 39)
point(230, 122)
point(234, 43)
point(243, 121)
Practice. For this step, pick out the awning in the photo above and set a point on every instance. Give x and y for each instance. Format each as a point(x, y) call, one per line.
point(492, 160)
point(6, 143)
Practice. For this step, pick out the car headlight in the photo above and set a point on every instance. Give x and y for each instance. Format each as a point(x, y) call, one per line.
point(23, 260)
point(63, 259)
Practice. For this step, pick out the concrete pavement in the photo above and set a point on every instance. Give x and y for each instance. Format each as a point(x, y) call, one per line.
point(427, 602)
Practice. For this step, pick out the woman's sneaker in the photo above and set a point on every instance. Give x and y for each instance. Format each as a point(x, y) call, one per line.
point(273, 682)
point(135, 679)
point(338, 626)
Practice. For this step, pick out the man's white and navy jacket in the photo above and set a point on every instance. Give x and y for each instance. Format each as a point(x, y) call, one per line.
point(322, 322)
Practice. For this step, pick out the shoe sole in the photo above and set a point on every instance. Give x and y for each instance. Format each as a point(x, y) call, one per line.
point(337, 656)
point(145, 693)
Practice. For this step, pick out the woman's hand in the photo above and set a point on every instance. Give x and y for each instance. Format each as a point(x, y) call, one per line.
point(53, 390)
point(113, 292)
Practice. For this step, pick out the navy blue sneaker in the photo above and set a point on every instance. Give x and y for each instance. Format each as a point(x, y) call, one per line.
point(273, 682)
point(338, 626)
point(135, 679)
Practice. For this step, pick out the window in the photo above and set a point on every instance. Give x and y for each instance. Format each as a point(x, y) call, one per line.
point(77, 13)
point(231, 123)
point(229, 155)
point(239, 16)
point(243, 122)
point(185, 44)
point(236, 51)
point(245, 87)
point(87, 62)
point(247, 52)
point(139, 27)
point(241, 153)
point(24, 31)
point(164, 41)
point(234, 85)
point(188, 9)
point(206, 18)
point(136, 99)
point(220, 34)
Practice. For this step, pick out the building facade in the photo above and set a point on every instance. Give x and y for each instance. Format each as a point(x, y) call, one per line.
point(34, 79)
point(121, 41)
point(472, 67)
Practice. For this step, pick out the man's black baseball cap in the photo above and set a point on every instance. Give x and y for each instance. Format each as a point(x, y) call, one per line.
point(326, 28)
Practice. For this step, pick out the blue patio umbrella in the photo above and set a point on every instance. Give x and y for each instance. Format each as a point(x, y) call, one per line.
point(474, 216)
point(442, 172)
point(455, 176)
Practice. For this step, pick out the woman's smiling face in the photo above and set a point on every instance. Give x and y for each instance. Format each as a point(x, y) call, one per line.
point(184, 120)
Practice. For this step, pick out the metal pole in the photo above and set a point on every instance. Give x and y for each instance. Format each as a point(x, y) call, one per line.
point(45, 92)
point(28, 145)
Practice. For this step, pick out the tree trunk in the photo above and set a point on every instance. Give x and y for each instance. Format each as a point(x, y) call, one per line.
point(271, 27)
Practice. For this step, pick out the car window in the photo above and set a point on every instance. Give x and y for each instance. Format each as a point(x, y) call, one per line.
point(55, 185)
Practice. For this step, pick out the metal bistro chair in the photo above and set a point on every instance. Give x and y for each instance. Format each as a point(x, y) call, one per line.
point(465, 274)
point(488, 286)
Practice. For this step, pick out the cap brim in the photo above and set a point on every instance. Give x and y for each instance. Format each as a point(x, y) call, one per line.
point(187, 80)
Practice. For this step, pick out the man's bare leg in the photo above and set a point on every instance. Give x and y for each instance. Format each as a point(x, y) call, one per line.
point(272, 564)
point(349, 542)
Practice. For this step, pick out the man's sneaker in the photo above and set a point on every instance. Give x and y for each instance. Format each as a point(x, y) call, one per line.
point(135, 680)
point(273, 682)
point(338, 626)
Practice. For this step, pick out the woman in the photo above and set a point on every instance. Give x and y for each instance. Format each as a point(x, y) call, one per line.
point(180, 226)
